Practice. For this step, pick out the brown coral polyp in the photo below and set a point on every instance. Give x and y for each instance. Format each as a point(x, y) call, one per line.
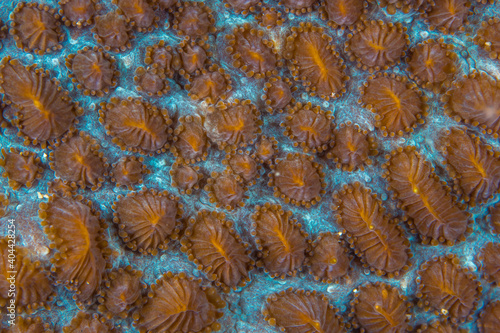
point(313, 60)
point(111, 31)
point(302, 311)
point(21, 168)
point(136, 125)
point(148, 220)
point(232, 125)
point(77, 160)
point(447, 288)
point(376, 239)
point(178, 303)
point(472, 164)
point(282, 243)
point(213, 245)
point(76, 233)
point(121, 293)
point(475, 100)
point(379, 307)
point(398, 106)
point(309, 127)
point(433, 212)
point(330, 260)
point(35, 28)
point(78, 13)
point(44, 112)
point(194, 20)
point(353, 147)
point(139, 13)
point(297, 179)
point(93, 70)
point(225, 190)
point(252, 52)
point(377, 45)
point(190, 140)
point(33, 286)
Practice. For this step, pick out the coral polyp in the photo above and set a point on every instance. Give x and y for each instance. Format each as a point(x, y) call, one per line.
point(211, 242)
point(93, 70)
point(378, 307)
point(343, 13)
point(225, 190)
point(136, 125)
point(43, 111)
point(377, 45)
point(252, 51)
point(309, 127)
point(87, 322)
point(21, 168)
point(443, 284)
point(111, 31)
point(233, 125)
point(432, 211)
point(399, 107)
point(190, 140)
point(432, 64)
point(277, 94)
point(122, 292)
point(242, 165)
point(209, 86)
point(330, 260)
point(78, 161)
point(178, 303)
point(280, 239)
point(448, 15)
point(297, 179)
point(139, 13)
point(376, 239)
point(36, 29)
point(76, 233)
point(302, 311)
point(353, 147)
point(185, 177)
point(148, 220)
point(33, 285)
point(472, 164)
point(194, 20)
point(475, 100)
point(128, 171)
point(490, 318)
point(78, 13)
point(488, 37)
point(313, 59)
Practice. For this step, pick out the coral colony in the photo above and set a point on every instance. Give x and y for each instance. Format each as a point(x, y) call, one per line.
point(241, 166)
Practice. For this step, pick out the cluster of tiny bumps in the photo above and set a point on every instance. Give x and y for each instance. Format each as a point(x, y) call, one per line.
point(246, 166)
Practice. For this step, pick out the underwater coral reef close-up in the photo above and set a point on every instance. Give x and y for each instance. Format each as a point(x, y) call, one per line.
point(250, 166)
